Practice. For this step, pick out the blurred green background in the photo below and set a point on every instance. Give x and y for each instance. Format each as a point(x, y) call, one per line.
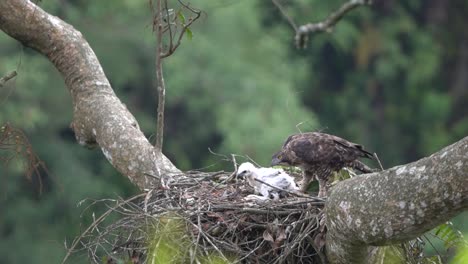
point(393, 77)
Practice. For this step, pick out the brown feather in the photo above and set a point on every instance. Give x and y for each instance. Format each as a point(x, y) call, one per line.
point(319, 154)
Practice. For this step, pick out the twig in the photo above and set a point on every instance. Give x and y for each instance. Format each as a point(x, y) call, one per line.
point(218, 154)
point(378, 160)
point(233, 175)
point(191, 20)
point(432, 245)
point(94, 224)
point(254, 210)
point(218, 220)
point(234, 162)
point(7, 77)
point(147, 197)
point(200, 230)
point(283, 12)
point(326, 26)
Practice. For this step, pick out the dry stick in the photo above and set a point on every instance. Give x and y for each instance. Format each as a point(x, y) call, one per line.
point(290, 192)
point(200, 230)
point(378, 160)
point(94, 224)
point(7, 77)
point(328, 23)
point(147, 197)
point(199, 233)
point(169, 26)
point(333, 18)
point(283, 12)
point(234, 173)
point(234, 162)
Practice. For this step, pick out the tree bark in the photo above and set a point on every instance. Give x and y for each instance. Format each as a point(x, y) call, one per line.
point(99, 116)
point(396, 205)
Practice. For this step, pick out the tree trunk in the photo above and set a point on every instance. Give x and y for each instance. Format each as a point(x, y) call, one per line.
point(99, 116)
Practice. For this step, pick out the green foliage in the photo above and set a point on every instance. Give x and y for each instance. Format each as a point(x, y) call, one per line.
point(189, 33)
point(381, 78)
point(450, 236)
point(171, 244)
point(216, 258)
point(462, 256)
point(252, 102)
point(391, 255)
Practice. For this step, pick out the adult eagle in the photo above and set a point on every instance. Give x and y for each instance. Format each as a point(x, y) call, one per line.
point(320, 154)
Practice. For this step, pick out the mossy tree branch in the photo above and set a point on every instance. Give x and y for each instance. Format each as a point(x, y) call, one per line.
point(396, 205)
point(100, 118)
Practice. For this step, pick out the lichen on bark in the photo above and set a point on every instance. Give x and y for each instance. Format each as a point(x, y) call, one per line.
point(100, 118)
point(396, 205)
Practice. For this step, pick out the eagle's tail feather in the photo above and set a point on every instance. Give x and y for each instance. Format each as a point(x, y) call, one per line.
point(362, 167)
point(356, 147)
point(365, 153)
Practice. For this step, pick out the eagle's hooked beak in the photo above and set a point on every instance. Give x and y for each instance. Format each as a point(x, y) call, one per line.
point(275, 161)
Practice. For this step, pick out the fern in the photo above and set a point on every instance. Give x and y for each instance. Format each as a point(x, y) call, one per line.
point(451, 237)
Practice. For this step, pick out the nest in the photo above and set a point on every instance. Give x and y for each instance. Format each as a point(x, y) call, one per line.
point(201, 218)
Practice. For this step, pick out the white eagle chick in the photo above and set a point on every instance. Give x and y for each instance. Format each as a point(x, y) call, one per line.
point(274, 177)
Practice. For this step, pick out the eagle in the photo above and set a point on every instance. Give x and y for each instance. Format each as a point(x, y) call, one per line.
point(320, 154)
point(272, 176)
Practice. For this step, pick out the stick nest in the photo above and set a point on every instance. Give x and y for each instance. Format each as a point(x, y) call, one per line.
point(204, 217)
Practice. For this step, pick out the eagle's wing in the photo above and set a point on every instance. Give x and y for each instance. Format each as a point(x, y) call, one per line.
point(290, 138)
point(268, 172)
point(317, 147)
point(284, 182)
point(265, 190)
point(309, 148)
point(353, 148)
point(275, 177)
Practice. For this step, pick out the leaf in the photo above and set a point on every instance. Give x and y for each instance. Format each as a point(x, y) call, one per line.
point(449, 235)
point(281, 236)
point(432, 260)
point(267, 236)
point(189, 33)
point(461, 256)
point(181, 17)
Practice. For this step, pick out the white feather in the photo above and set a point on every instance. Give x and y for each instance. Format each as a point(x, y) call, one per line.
point(275, 177)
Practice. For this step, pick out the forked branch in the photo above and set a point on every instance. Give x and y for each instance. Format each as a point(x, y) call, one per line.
point(165, 21)
point(303, 32)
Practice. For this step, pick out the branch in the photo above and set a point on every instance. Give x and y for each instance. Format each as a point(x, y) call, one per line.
point(327, 25)
point(7, 77)
point(161, 26)
point(285, 15)
point(99, 118)
point(397, 204)
point(159, 76)
point(183, 31)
